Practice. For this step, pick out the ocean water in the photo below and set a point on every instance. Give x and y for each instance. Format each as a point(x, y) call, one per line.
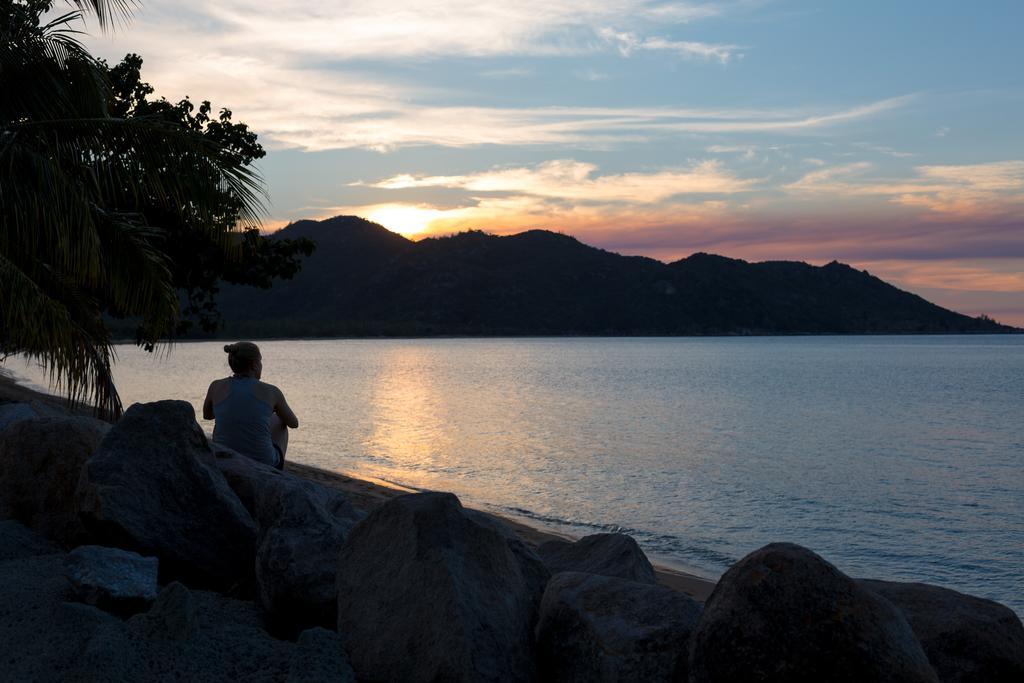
point(893, 457)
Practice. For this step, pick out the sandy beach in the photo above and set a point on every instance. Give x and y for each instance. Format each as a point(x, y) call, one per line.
point(368, 494)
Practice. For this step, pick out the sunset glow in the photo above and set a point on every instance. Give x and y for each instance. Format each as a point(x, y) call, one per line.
point(402, 218)
point(757, 130)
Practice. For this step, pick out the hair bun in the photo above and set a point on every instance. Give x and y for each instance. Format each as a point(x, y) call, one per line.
point(228, 348)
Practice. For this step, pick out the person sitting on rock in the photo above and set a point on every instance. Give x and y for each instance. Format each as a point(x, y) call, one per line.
point(251, 416)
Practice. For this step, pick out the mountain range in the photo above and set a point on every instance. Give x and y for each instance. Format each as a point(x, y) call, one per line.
point(364, 280)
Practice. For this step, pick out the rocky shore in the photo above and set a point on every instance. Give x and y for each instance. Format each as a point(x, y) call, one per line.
point(139, 551)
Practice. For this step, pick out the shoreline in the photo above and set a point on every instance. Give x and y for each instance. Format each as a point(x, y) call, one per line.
point(365, 493)
point(736, 335)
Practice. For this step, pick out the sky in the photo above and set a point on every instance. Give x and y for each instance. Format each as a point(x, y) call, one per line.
point(885, 135)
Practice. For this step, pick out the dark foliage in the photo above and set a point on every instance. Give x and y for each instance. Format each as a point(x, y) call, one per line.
point(365, 280)
point(198, 259)
point(112, 204)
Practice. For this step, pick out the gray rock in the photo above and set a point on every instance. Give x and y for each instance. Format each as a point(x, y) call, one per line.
point(245, 476)
point(172, 617)
point(16, 411)
point(10, 413)
point(967, 639)
point(44, 637)
point(112, 579)
point(302, 526)
point(47, 639)
point(17, 541)
point(40, 463)
point(599, 628)
point(149, 489)
point(605, 554)
point(783, 613)
point(231, 643)
point(426, 592)
point(297, 558)
point(320, 658)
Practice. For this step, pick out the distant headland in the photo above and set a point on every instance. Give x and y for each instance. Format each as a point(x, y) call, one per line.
point(364, 280)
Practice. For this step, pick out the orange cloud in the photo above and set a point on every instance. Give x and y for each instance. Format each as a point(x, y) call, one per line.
point(965, 190)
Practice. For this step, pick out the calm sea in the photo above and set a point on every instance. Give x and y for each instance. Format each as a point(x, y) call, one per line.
point(893, 457)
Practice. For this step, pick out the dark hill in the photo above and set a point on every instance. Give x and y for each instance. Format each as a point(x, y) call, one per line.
point(366, 280)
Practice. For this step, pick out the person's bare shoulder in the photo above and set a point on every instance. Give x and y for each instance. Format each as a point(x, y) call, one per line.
point(268, 392)
point(217, 386)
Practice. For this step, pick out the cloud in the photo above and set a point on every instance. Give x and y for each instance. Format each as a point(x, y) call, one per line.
point(502, 74)
point(399, 29)
point(627, 43)
point(339, 113)
point(883, 149)
point(579, 182)
point(964, 189)
point(996, 176)
point(299, 73)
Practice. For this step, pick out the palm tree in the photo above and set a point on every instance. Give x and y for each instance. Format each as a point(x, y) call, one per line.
point(74, 243)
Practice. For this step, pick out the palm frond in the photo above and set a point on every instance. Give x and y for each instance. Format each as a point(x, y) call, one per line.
point(48, 320)
point(76, 185)
point(108, 12)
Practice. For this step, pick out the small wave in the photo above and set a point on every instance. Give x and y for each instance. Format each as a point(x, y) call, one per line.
point(668, 546)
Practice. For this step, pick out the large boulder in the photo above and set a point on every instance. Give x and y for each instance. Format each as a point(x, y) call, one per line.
point(194, 636)
point(246, 477)
point(967, 639)
point(45, 638)
point(17, 541)
point(599, 628)
point(297, 556)
point(40, 463)
point(11, 413)
point(428, 592)
point(302, 526)
point(112, 579)
point(149, 489)
point(173, 616)
point(320, 658)
point(782, 613)
point(605, 554)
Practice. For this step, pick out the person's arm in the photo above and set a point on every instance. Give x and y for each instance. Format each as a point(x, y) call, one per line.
point(208, 404)
point(284, 411)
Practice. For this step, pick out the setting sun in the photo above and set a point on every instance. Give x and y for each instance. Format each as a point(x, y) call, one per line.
point(404, 219)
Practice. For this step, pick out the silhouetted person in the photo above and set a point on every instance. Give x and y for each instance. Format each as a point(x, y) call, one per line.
point(251, 416)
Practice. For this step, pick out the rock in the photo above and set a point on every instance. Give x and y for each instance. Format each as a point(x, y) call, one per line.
point(17, 411)
point(17, 541)
point(427, 592)
point(297, 557)
point(601, 628)
point(966, 638)
point(230, 643)
point(783, 613)
point(40, 463)
point(302, 526)
point(11, 413)
point(112, 579)
point(172, 617)
point(320, 658)
point(45, 638)
point(149, 489)
point(605, 554)
point(245, 476)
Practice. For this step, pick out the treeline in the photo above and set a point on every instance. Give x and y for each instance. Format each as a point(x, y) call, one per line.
point(366, 281)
